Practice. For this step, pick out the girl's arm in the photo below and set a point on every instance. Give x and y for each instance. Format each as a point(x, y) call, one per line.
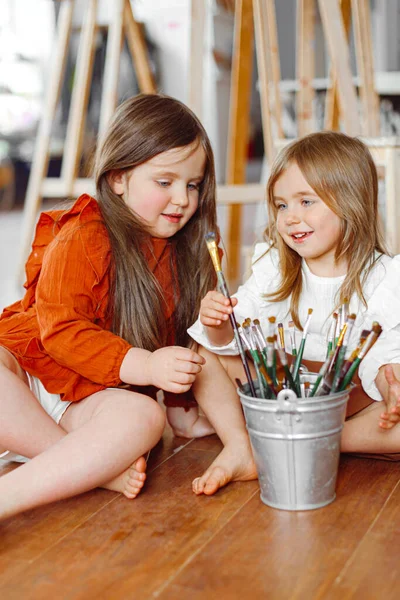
point(71, 303)
point(72, 298)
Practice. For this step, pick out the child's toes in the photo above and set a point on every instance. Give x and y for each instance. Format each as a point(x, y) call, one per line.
point(133, 487)
point(198, 485)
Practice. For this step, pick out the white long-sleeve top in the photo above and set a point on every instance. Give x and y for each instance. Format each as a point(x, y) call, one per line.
point(381, 291)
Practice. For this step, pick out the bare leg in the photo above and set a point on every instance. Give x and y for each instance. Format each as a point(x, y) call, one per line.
point(362, 433)
point(216, 394)
point(188, 423)
point(114, 428)
point(25, 426)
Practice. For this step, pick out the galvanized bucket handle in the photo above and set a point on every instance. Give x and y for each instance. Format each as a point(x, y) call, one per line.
point(287, 403)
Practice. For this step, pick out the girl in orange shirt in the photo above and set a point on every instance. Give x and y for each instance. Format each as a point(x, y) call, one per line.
point(112, 286)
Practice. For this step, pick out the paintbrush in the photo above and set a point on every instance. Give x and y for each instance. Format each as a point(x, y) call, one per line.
point(251, 346)
point(332, 333)
point(299, 356)
point(211, 241)
point(288, 375)
point(347, 363)
point(342, 352)
point(321, 375)
point(281, 332)
point(329, 375)
point(369, 342)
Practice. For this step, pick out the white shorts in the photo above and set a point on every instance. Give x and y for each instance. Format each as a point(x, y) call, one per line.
point(52, 404)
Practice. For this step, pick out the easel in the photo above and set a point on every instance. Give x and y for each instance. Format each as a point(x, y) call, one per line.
point(341, 98)
point(122, 20)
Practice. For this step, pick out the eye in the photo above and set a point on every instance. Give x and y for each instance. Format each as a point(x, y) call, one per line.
point(163, 183)
point(306, 202)
point(193, 186)
point(280, 206)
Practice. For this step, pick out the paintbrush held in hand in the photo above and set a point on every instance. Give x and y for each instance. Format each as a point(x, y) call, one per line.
point(211, 241)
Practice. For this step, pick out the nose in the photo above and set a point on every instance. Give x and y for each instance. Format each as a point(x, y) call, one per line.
point(291, 217)
point(180, 197)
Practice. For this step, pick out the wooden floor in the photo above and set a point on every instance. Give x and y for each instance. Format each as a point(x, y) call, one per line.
point(170, 544)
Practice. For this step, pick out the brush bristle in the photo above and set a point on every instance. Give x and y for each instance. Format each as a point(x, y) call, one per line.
point(210, 237)
point(291, 323)
point(310, 311)
point(376, 328)
point(272, 319)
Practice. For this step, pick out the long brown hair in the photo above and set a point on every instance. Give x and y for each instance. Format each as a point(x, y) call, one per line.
point(142, 127)
point(341, 171)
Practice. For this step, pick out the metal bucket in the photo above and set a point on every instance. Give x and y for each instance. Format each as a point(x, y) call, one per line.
point(296, 446)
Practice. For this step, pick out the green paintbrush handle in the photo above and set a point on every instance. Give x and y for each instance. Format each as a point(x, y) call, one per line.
point(350, 373)
point(298, 359)
point(315, 386)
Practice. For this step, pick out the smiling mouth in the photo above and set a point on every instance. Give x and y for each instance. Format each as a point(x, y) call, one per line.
point(298, 238)
point(172, 217)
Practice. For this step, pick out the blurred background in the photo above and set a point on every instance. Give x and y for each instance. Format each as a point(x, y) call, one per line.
point(27, 37)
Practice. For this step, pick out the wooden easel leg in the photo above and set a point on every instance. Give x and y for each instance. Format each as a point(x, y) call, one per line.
point(111, 67)
point(273, 51)
point(238, 134)
point(41, 152)
point(363, 43)
point(305, 66)
point(79, 100)
point(138, 51)
point(262, 32)
point(339, 53)
point(331, 120)
point(198, 10)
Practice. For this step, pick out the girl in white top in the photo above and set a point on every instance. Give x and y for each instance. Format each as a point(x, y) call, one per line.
point(323, 245)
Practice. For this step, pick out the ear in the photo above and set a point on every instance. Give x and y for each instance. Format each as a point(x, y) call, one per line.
point(116, 179)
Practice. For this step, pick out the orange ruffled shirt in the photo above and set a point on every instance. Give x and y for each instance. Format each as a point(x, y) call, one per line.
point(60, 331)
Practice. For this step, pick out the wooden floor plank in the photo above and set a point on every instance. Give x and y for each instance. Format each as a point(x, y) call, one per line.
point(27, 536)
point(268, 553)
point(373, 570)
point(131, 548)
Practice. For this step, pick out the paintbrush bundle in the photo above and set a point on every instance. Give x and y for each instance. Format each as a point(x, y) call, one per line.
point(271, 363)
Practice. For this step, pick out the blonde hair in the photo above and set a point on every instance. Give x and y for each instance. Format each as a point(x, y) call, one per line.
point(142, 127)
point(341, 171)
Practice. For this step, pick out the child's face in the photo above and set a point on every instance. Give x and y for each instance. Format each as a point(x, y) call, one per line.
point(306, 224)
point(164, 191)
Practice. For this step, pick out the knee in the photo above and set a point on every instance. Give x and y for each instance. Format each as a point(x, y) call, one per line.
point(147, 412)
point(155, 418)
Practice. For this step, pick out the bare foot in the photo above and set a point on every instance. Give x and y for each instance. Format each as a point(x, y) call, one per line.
point(391, 416)
point(232, 464)
point(188, 424)
point(131, 481)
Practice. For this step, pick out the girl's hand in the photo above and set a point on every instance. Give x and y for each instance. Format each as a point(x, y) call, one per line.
point(392, 399)
point(215, 309)
point(173, 368)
